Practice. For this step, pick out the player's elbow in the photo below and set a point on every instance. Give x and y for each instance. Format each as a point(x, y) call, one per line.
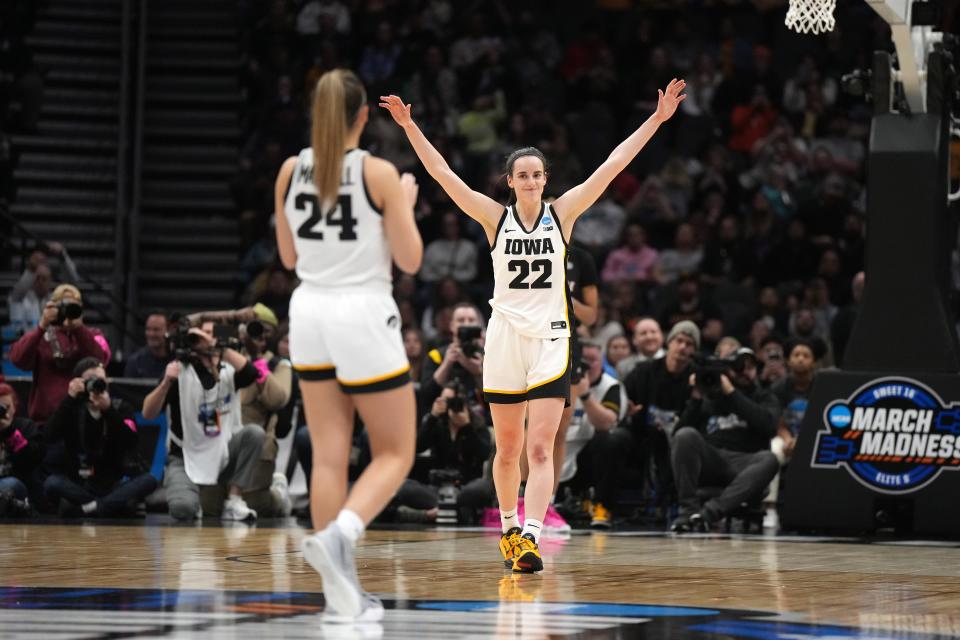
point(409, 258)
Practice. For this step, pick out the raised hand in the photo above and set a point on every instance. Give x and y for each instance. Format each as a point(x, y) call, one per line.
point(410, 189)
point(669, 99)
point(397, 109)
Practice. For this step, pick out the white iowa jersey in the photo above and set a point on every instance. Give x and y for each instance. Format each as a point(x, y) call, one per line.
point(530, 275)
point(344, 245)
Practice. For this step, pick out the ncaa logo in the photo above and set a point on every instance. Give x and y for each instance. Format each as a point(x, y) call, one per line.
point(547, 219)
point(894, 435)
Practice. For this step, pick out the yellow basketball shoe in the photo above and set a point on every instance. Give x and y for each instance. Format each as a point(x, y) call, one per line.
point(526, 555)
point(508, 544)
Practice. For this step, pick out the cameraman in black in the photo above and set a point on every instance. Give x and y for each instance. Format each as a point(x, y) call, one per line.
point(96, 471)
point(459, 444)
point(724, 440)
point(212, 455)
point(21, 457)
point(460, 361)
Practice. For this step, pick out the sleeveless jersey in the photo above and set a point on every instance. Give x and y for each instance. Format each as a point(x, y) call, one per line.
point(343, 245)
point(529, 275)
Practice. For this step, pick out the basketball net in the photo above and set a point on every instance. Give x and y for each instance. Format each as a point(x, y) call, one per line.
point(811, 16)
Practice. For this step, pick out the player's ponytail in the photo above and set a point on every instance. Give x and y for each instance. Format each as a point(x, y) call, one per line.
point(337, 100)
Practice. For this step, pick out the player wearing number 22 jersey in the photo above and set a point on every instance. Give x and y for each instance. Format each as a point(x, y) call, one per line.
point(527, 346)
point(526, 369)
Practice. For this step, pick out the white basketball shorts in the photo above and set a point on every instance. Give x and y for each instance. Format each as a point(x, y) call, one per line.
point(517, 368)
point(353, 337)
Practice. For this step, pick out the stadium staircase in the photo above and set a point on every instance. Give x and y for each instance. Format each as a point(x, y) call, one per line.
point(189, 242)
point(66, 174)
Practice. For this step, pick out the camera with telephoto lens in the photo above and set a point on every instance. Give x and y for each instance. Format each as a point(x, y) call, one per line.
point(68, 310)
point(255, 329)
point(183, 344)
point(447, 482)
point(469, 339)
point(708, 370)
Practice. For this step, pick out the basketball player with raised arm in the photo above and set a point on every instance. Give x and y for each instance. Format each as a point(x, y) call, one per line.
point(343, 218)
point(526, 369)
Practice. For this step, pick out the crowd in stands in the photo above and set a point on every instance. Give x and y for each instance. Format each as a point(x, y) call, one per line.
point(737, 233)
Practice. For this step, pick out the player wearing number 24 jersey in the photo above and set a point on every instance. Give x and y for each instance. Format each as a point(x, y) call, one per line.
point(526, 371)
point(343, 219)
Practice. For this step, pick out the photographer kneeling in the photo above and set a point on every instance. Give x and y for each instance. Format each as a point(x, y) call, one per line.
point(459, 444)
point(96, 470)
point(212, 455)
point(724, 439)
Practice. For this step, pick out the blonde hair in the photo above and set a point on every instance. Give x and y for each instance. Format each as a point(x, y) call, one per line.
point(337, 100)
point(63, 290)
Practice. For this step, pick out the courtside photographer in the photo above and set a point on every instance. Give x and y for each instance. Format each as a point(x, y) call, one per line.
point(460, 361)
point(96, 470)
point(212, 455)
point(723, 439)
point(458, 442)
point(53, 349)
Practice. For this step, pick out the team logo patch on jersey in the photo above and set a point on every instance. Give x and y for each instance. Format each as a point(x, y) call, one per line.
point(894, 435)
point(558, 324)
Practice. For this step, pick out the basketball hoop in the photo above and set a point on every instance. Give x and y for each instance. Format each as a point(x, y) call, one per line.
point(811, 16)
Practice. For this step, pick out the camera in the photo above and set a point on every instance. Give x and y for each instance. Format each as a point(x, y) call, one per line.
point(68, 311)
point(95, 385)
point(708, 370)
point(448, 483)
point(181, 343)
point(458, 401)
point(255, 329)
point(579, 370)
point(85, 466)
point(468, 337)
point(227, 336)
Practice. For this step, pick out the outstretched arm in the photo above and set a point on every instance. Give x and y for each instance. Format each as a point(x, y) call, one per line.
point(574, 202)
point(481, 208)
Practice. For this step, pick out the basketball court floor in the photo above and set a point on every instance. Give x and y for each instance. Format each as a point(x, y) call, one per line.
point(98, 580)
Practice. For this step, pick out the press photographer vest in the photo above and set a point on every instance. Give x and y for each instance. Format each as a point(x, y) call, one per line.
point(205, 452)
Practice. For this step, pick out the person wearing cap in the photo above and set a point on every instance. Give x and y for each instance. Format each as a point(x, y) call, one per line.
point(150, 361)
point(724, 441)
point(657, 391)
point(260, 403)
point(53, 349)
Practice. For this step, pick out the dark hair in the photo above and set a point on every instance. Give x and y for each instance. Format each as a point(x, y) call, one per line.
point(85, 365)
point(817, 347)
point(516, 155)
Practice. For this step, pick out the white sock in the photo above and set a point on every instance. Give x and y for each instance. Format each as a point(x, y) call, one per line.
point(90, 507)
point(350, 524)
point(533, 527)
point(509, 520)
